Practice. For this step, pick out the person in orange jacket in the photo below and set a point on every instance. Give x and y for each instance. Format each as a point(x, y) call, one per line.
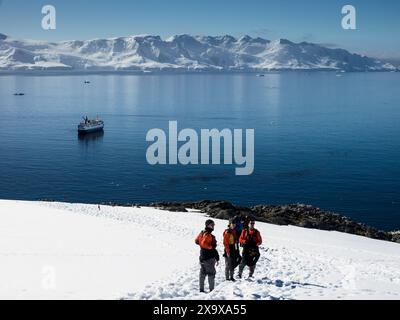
point(251, 240)
point(232, 254)
point(209, 256)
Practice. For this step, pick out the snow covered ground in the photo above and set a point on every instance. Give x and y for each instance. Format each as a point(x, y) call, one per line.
point(74, 251)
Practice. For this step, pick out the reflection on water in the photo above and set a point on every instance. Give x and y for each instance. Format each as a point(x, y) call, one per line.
point(89, 138)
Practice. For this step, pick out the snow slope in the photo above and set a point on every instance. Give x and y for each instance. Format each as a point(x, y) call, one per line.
point(75, 251)
point(180, 53)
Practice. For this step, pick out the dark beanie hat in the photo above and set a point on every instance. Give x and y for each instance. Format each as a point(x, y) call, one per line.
point(208, 222)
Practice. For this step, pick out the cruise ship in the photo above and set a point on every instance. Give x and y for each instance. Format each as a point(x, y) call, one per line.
point(89, 126)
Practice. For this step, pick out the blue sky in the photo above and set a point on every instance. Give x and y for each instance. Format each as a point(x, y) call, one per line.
point(317, 21)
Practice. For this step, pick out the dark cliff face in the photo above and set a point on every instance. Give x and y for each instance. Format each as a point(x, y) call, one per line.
point(3, 36)
point(296, 215)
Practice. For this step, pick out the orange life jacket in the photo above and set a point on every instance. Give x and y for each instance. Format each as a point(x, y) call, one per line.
point(230, 240)
point(206, 241)
point(251, 237)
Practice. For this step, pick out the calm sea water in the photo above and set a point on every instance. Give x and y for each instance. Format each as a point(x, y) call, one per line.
point(329, 141)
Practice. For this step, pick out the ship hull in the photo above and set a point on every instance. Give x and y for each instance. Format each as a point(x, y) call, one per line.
point(84, 130)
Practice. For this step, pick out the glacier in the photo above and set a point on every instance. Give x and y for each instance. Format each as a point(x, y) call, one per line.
point(179, 53)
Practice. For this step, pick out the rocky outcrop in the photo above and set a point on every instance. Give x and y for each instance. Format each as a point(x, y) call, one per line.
point(395, 236)
point(310, 217)
point(300, 215)
point(169, 206)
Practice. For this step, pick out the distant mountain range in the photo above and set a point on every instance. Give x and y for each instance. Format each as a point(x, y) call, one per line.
point(181, 53)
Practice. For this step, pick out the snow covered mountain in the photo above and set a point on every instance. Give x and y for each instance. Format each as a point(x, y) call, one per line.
point(60, 251)
point(181, 53)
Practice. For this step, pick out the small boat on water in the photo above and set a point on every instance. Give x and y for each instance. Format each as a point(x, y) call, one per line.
point(87, 82)
point(19, 94)
point(261, 75)
point(90, 126)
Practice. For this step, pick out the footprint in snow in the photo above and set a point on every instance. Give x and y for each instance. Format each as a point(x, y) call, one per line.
point(237, 292)
point(279, 283)
point(256, 296)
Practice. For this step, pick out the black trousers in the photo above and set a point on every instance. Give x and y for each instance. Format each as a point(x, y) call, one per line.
point(249, 259)
point(243, 265)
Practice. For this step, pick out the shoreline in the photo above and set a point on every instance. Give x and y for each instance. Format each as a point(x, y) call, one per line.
point(297, 215)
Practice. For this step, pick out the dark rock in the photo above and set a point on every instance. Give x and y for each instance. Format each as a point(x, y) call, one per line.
point(299, 215)
point(218, 209)
point(169, 206)
point(310, 217)
point(395, 236)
